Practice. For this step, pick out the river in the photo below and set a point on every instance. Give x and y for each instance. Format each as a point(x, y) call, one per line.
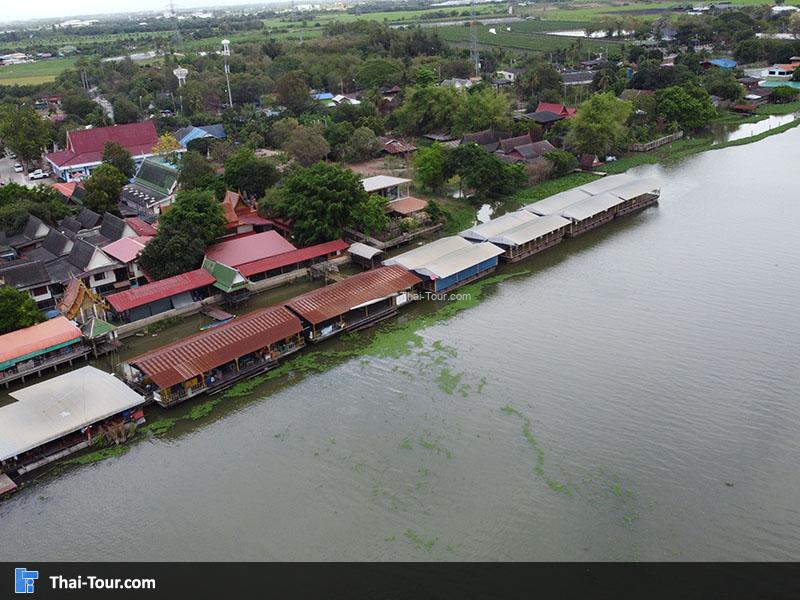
point(628, 395)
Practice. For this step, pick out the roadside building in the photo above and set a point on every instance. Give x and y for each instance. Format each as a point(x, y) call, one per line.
point(212, 360)
point(63, 415)
point(160, 296)
point(354, 303)
point(84, 150)
point(27, 352)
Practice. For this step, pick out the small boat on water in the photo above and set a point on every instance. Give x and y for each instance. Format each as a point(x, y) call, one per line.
point(216, 323)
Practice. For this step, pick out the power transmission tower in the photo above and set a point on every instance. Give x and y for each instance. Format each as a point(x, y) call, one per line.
point(176, 34)
point(473, 41)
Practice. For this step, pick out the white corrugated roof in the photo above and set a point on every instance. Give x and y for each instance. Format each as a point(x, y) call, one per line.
point(552, 205)
point(363, 250)
point(51, 409)
point(429, 252)
point(591, 206)
point(636, 188)
point(458, 260)
point(530, 231)
point(607, 183)
point(484, 231)
point(380, 182)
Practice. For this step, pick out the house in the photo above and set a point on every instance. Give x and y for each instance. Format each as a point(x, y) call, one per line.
point(187, 134)
point(236, 279)
point(457, 83)
point(55, 245)
point(390, 188)
point(523, 149)
point(397, 147)
point(85, 261)
point(152, 188)
point(488, 139)
point(558, 109)
point(749, 82)
point(781, 72)
point(365, 255)
point(84, 149)
point(111, 229)
point(578, 77)
point(545, 119)
point(126, 251)
point(344, 99)
point(73, 192)
point(141, 227)
point(449, 262)
point(30, 276)
point(31, 236)
point(160, 296)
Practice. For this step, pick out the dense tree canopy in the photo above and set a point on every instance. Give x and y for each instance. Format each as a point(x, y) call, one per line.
point(17, 202)
point(104, 188)
point(249, 174)
point(193, 222)
point(599, 125)
point(118, 156)
point(689, 108)
point(484, 173)
point(17, 310)
point(429, 167)
point(24, 131)
point(195, 171)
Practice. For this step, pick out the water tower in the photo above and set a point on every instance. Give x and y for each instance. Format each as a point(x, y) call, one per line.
point(226, 47)
point(181, 73)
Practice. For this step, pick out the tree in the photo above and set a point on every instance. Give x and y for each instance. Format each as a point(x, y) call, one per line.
point(116, 155)
point(337, 135)
point(193, 222)
point(689, 109)
point(321, 201)
point(293, 92)
point(104, 188)
point(362, 145)
point(481, 109)
point(247, 173)
point(563, 162)
point(24, 132)
point(427, 109)
point(429, 167)
point(125, 111)
point(599, 125)
point(167, 148)
point(307, 145)
point(482, 172)
point(375, 72)
point(372, 217)
point(195, 171)
point(17, 310)
point(282, 130)
point(18, 202)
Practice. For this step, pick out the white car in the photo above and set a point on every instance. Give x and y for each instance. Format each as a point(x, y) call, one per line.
point(39, 174)
point(17, 168)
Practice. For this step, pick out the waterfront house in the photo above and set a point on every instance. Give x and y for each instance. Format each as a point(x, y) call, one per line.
point(160, 296)
point(396, 191)
point(354, 303)
point(27, 352)
point(526, 239)
point(63, 415)
point(212, 360)
point(84, 149)
point(365, 255)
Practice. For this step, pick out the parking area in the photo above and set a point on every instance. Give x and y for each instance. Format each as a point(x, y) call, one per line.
point(7, 174)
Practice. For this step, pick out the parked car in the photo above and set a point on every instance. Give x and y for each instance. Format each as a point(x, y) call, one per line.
point(17, 168)
point(39, 174)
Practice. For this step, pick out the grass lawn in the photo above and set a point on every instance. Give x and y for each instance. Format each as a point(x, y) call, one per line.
point(538, 42)
point(34, 73)
point(779, 109)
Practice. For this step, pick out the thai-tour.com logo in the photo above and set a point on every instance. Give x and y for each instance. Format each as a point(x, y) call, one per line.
point(25, 580)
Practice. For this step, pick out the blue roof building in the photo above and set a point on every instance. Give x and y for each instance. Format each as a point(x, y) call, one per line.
point(722, 63)
point(187, 134)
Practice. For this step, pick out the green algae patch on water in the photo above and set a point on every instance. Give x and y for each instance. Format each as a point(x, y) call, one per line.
point(98, 455)
point(418, 541)
point(448, 382)
point(538, 467)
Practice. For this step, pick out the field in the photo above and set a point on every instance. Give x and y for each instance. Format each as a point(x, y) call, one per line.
point(35, 73)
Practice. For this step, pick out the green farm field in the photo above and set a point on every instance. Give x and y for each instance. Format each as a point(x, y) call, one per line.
point(35, 73)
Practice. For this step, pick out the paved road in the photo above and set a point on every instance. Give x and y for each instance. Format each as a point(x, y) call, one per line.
point(7, 174)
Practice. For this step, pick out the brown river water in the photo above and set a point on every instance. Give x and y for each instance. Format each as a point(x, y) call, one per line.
point(631, 394)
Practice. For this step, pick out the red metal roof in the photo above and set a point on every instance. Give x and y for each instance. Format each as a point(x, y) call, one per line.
point(558, 109)
point(290, 258)
point(338, 298)
point(158, 290)
point(239, 251)
point(207, 350)
point(127, 249)
point(85, 146)
point(36, 338)
point(140, 226)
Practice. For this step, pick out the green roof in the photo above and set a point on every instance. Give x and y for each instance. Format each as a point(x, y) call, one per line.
point(97, 327)
point(157, 175)
point(227, 278)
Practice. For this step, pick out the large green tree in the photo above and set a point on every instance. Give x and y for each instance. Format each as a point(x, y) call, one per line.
point(321, 201)
point(195, 171)
point(17, 310)
point(690, 109)
point(247, 173)
point(117, 155)
point(599, 125)
point(482, 172)
point(193, 222)
point(429, 165)
point(104, 188)
point(362, 145)
point(125, 111)
point(293, 92)
point(17, 202)
point(24, 132)
point(307, 145)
